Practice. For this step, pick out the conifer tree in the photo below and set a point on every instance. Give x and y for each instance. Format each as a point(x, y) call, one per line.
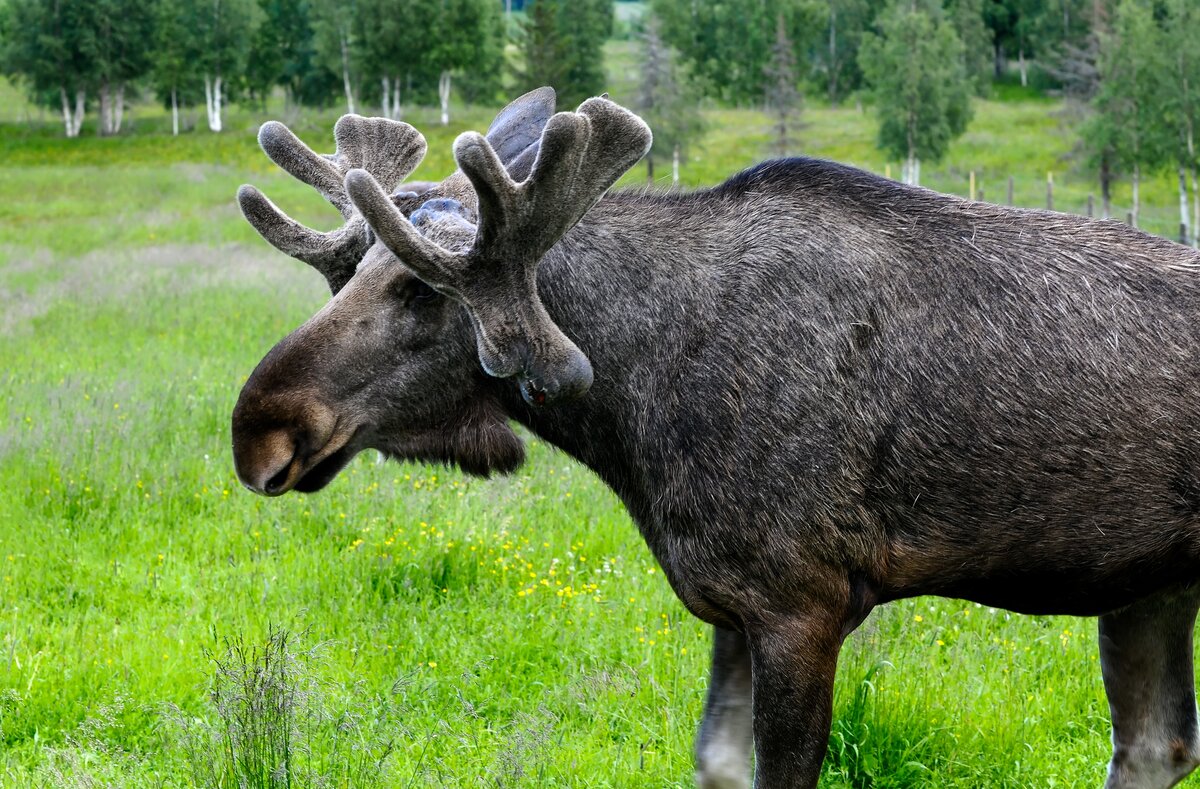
point(667, 101)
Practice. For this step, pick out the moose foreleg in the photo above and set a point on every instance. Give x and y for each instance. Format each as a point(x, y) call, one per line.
point(723, 746)
point(1146, 659)
point(793, 664)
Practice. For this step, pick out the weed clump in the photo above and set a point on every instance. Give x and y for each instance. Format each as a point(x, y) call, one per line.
point(277, 725)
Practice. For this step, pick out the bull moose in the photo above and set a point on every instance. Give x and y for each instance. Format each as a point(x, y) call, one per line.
point(814, 389)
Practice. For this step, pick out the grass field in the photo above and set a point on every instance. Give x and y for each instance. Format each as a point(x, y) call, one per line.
point(447, 632)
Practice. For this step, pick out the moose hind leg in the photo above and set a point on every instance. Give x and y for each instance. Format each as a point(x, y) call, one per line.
point(1146, 659)
point(724, 744)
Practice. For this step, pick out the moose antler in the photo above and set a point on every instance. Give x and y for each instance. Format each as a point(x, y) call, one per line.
point(581, 155)
point(388, 150)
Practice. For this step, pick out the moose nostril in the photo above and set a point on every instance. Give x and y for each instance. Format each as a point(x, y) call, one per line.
point(277, 482)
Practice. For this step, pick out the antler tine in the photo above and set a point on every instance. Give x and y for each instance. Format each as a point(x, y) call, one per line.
point(326, 252)
point(581, 155)
point(389, 150)
point(435, 265)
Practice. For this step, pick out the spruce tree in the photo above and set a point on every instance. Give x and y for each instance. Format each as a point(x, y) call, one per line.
point(667, 101)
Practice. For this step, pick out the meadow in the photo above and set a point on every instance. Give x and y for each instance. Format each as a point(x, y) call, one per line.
point(409, 626)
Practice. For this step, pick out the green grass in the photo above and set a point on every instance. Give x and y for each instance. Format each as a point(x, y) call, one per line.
point(510, 632)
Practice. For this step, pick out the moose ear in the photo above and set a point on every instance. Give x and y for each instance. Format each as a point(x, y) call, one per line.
point(515, 133)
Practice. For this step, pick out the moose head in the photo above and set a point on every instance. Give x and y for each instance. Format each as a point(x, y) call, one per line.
point(435, 301)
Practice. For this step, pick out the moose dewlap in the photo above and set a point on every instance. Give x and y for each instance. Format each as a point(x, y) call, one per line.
point(815, 390)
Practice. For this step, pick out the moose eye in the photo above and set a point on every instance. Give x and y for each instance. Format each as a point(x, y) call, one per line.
point(422, 293)
point(414, 291)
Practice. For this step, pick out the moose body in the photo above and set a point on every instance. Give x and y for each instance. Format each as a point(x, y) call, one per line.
point(817, 390)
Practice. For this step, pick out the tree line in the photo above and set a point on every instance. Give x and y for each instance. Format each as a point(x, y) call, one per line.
point(77, 56)
point(1129, 69)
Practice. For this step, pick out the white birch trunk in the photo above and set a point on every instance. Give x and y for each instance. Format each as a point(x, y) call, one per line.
point(916, 172)
point(346, 85)
point(386, 102)
point(1137, 179)
point(396, 98)
point(1195, 211)
point(174, 113)
point(68, 119)
point(105, 110)
point(212, 101)
point(119, 108)
point(1023, 68)
point(675, 166)
point(444, 95)
point(1184, 218)
point(80, 106)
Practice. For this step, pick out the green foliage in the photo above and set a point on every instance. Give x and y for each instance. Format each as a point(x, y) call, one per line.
point(1181, 46)
point(1127, 124)
point(836, 53)
point(562, 42)
point(283, 53)
point(467, 38)
point(919, 82)
point(175, 53)
point(49, 47)
point(978, 54)
point(728, 44)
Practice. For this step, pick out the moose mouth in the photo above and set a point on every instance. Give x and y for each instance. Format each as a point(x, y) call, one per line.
point(323, 473)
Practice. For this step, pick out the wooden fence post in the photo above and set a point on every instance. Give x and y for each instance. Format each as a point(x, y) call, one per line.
point(1183, 233)
point(1049, 191)
point(1091, 204)
point(971, 190)
point(1010, 190)
point(1129, 218)
point(981, 195)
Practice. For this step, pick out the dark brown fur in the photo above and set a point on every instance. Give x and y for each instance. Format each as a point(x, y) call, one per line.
point(817, 390)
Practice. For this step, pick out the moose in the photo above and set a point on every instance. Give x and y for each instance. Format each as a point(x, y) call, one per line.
point(816, 391)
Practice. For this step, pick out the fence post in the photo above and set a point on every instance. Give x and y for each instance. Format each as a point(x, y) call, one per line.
point(1129, 218)
point(1091, 204)
point(1010, 190)
point(981, 194)
point(971, 191)
point(1049, 191)
point(1183, 233)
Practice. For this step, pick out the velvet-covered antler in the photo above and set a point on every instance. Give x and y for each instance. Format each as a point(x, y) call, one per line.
point(388, 150)
point(581, 155)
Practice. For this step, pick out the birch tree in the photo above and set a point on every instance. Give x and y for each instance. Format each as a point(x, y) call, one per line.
point(335, 24)
point(467, 36)
point(727, 45)
point(391, 43)
point(49, 47)
point(175, 79)
point(124, 44)
point(1129, 106)
point(920, 87)
point(837, 54)
point(1182, 100)
point(223, 32)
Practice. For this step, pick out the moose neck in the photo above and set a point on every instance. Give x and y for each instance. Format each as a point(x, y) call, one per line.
point(629, 285)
